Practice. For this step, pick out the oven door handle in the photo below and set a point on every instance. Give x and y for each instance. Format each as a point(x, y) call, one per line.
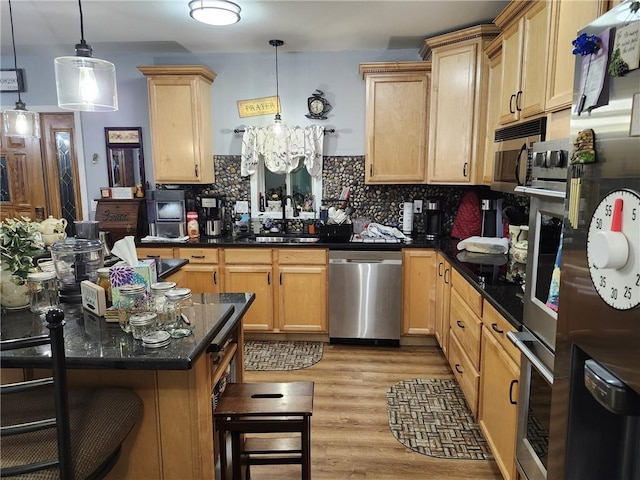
point(519, 339)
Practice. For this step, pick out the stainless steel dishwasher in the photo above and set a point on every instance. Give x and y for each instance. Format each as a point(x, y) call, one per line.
point(365, 297)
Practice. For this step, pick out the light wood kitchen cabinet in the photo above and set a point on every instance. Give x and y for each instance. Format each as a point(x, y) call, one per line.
point(251, 270)
point(202, 273)
point(525, 26)
point(566, 19)
point(181, 122)
point(397, 106)
point(457, 114)
point(493, 51)
point(301, 290)
point(154, 252)
point(443, 296)
point(418, 291)
point(500, 373)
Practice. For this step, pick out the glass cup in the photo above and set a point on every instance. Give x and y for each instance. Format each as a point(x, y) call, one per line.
point(178, 324)
point(43, 291)
point(133, 300)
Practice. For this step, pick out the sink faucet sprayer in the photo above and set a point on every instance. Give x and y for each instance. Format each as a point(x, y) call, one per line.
point(284, 211)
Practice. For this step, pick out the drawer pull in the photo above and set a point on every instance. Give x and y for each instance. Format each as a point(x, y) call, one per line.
point(458, 369)
point(445, 275)
point(460, 324)
point(511, 400)
point(197, 256)
point(495, 328)
point(440, 265)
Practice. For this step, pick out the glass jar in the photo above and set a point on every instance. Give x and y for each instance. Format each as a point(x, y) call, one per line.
point(104, 282)
point(142, 324)
point(133, 300)
point(43, 291)
point(158, 290)
point(178, 324)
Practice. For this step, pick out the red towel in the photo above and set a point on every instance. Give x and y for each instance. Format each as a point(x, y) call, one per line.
point(468, 220)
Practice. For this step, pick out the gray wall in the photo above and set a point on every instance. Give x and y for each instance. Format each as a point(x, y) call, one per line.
point(240, 76)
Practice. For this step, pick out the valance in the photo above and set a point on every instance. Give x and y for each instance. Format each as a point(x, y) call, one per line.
point(282, 153)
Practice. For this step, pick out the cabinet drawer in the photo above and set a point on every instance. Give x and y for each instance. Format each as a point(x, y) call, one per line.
point(148, 252)
point(302, 256)
point(248, 256)
point(466, 326)
point(467, 376)
point(498, 326)
point(199, 255)
point(466, 291)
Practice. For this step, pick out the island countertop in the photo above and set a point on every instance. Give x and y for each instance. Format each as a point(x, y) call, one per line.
point(90, 342)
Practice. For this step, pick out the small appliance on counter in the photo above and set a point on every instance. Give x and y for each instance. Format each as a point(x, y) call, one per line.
point(166, 213)
point(491, 217)
point(433, 213)
point(212, 217)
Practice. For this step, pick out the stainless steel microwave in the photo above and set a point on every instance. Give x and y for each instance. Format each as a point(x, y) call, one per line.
point(512, 154)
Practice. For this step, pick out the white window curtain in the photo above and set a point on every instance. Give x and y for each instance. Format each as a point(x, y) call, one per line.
point(282, 154)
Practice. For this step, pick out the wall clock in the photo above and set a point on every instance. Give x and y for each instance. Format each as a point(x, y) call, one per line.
point(318, 106)
point(613, 249)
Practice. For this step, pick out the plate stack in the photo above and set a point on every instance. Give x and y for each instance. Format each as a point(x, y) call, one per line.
point(156, 339)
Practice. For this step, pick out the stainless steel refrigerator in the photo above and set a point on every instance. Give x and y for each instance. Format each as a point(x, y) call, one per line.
point(595, 413)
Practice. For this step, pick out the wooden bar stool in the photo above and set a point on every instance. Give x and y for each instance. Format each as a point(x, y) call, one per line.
point(259, 408)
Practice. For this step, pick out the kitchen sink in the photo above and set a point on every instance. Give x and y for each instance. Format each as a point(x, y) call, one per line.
point(285, 239)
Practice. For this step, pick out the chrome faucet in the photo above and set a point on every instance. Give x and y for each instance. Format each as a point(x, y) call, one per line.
point(284, 211)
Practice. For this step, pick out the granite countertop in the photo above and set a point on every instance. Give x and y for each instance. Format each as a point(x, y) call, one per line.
point(90, 342)
point(489, 280)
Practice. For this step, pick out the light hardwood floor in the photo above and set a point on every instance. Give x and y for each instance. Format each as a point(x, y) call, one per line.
point(350, 434)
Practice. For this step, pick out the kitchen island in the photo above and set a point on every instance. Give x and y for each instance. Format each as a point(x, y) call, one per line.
point(174, 439)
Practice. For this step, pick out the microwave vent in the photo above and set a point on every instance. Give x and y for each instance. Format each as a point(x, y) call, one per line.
point(523, 130)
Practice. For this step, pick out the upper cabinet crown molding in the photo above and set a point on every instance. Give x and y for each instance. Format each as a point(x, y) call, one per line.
point(484, 31)
point(394, 67)
point(180, 118)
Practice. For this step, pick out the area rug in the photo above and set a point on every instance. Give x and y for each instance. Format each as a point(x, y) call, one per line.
point(280, 355)
point(430, 416)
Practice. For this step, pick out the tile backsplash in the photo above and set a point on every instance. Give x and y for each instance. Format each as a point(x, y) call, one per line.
point(379, 203)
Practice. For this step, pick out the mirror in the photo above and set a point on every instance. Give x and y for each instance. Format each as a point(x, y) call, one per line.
point(125, 158)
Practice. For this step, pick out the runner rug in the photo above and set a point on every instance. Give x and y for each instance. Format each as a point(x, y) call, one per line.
point(430, 416)
point(280, 354)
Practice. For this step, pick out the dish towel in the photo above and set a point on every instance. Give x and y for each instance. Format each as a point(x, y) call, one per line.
point(554, 288)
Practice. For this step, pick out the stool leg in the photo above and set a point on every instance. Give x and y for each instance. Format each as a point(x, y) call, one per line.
point(306, 449)
point(222, 444)
point(236, 452)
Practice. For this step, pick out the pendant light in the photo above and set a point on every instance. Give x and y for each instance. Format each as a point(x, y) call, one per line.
point(277, 128)
point(214, 12)
point(19, 122)
point(85, 83)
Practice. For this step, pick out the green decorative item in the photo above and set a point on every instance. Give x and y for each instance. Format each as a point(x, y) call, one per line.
point(583, 148)
point(618, 67)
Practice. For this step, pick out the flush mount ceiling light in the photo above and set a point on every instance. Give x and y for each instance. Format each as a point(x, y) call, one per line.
point(214, 12)
point(19, 122)
point(85, 83)
point(277, 127)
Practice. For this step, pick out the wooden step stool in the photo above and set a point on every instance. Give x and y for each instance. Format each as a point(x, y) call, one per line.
point(265, 408)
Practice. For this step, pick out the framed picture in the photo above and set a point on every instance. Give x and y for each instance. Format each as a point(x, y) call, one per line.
point(11, 80)
point(123, 136)
point(125, 157)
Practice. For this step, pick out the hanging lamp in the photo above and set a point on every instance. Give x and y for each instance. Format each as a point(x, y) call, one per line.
point(85, 83)
point(214, 12)
point(277, 128)
point(19, 122)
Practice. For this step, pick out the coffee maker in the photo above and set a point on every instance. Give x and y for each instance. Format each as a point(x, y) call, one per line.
point(212, 216)
point(166, 213)
point(491, 217)
point(434, 218)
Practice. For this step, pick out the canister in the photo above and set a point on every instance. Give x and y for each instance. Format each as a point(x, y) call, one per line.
point(159, 300)
point(142, 324)
point(178, 324)
point(43, 291)
point(104, 282)
point(133, 300)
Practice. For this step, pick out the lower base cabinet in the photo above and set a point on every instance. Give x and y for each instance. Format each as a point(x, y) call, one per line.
point(443, 296)
point(418, 291)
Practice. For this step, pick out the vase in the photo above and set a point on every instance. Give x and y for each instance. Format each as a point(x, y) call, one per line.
point(14, 293)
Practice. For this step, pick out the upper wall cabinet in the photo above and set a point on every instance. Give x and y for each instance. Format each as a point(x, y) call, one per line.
point(397, 106)
point(494, 55)
point(180, 120)
point(525, 27)
point(566, 19)
point(457, 117)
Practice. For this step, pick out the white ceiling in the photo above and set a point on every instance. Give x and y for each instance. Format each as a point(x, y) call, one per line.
point(164, 26)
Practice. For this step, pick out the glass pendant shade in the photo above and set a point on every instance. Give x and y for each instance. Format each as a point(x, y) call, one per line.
point(20, 122)
point(86, 84)
point(278, 127)
point(214, 12)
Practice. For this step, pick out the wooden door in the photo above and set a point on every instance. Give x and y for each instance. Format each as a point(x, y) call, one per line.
point(61, 167)
point(256, 279)
point(531, 100)
point(511, 68)
point(443, 295)
point(419, 291)
point(303, 298)
point(201, 278)
point(22, 183)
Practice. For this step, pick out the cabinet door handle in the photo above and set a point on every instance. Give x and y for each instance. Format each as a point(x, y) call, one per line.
point(196, 171)
point(446, 270)
point(268, 278)
point(215, 277)
point(371, 169)
point(464, 169)
point(495, 328)
point(440, 265)
point(518, 101)
point(458, 369)
point(152, 256)
point(511, 99)
point(459, 323)
point(280, 278)
point(511, 400)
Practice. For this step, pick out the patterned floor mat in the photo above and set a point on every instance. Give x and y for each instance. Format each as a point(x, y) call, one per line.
point(280, 355)
point(430, 416)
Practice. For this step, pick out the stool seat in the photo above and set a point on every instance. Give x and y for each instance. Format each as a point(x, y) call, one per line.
point(265, 408)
